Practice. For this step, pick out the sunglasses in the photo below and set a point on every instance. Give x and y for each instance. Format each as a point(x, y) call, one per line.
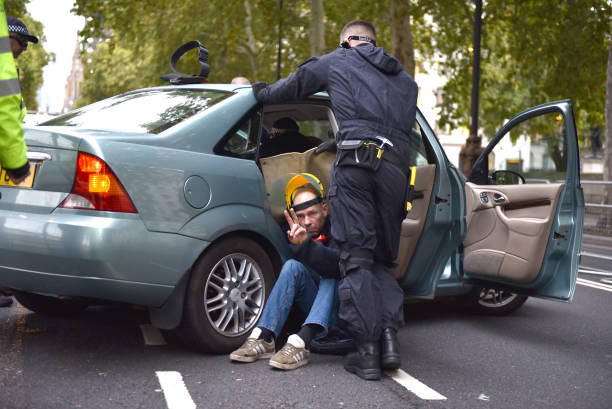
point(21, 40)
point(345, 43)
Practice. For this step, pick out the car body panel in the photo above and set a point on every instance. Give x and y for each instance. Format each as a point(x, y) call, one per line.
point(72, 252)
point(222, 220)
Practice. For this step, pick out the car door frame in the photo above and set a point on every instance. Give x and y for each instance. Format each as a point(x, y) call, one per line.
point(444, 226)
point(557, 276)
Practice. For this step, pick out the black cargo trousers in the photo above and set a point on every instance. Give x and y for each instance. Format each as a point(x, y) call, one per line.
point(368, 208)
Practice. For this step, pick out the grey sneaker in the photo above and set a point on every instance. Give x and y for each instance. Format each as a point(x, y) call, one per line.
point(252, 350)
point(290, 357)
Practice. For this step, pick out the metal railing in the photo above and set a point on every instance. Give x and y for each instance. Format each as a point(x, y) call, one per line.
point(597, 182)
point(601, 207)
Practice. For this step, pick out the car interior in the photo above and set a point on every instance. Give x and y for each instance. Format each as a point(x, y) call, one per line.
point(320, 123)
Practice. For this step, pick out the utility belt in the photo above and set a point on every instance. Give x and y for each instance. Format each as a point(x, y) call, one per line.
point(369, 154)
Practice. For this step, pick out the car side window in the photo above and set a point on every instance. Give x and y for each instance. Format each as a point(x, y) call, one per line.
point(418, 151)
point(533, 152)
point(319, 130)
point(241, 141)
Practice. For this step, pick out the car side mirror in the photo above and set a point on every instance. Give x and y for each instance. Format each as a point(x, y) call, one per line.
point(507, 177)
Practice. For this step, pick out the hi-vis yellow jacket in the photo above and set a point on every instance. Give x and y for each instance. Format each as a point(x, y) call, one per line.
point(12, 145)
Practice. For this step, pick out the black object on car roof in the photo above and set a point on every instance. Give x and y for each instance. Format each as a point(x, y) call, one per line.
point(176, 77)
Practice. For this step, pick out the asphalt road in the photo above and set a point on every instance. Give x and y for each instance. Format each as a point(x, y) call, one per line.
point(545, 355)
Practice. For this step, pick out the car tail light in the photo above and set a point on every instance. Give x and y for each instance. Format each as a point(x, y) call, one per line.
point(97, 188)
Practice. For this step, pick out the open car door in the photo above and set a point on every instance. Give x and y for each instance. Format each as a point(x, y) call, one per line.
point(525, 206)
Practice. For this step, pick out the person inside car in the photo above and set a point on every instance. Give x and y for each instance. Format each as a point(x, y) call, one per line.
point(285, 137)
point(314, 252)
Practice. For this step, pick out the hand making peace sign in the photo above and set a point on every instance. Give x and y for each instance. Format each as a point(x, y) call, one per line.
point(296, 233)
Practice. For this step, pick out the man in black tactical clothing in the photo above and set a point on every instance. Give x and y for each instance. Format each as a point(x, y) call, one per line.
point(374, 101)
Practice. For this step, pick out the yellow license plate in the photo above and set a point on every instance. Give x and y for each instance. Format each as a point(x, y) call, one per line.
point(28, 182)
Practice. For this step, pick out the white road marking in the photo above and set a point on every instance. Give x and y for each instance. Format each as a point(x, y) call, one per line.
point(152, 336)
point(594, 284)
point(595, 255)
point(414, 385)
point(594, 272)
point(176, 393)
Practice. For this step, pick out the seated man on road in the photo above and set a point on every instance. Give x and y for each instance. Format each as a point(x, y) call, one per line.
point(285, 137)
point(314, 252)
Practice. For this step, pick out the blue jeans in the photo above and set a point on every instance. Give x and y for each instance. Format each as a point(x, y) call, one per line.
point(296, 285)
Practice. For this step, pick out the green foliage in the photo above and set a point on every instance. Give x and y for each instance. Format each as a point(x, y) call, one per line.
point(533, 51)
point(33, 60)
point(31, 63)
point(15, 8)
point(109, 71)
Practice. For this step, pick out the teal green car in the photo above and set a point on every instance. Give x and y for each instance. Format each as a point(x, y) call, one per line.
point(159, 197)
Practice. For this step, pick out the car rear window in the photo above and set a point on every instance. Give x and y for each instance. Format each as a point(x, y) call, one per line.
point(148, 111)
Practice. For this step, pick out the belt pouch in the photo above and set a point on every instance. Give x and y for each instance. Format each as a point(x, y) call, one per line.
point(359, 153)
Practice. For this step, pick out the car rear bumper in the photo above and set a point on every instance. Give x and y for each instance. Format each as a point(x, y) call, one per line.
point(104, 255)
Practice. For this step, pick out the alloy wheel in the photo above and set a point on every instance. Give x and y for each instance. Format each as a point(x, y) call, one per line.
point(234, 294)
point(494, 298)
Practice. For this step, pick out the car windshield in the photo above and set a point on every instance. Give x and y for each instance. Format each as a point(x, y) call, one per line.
point(150, 111)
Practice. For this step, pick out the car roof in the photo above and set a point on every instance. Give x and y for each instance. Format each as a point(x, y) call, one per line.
point(217, 87)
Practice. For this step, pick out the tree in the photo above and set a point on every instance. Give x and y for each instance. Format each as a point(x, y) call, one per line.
point(606, 220)
point(402, 43)
point(317, 28)
point(533, 51)
point(31, 62)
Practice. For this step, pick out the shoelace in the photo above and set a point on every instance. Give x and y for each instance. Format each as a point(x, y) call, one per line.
point(251, 343)
point(288, 350)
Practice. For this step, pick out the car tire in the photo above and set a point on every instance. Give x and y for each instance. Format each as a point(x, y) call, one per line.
point(47, 305)
point(492, 301)
point(225, 296)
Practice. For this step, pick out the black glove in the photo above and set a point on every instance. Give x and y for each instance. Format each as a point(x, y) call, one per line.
point(327, 146)
point(18, 175)
point(257, 88)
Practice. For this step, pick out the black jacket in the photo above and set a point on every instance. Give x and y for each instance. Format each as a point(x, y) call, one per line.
point(370, 92)
point(319, 257)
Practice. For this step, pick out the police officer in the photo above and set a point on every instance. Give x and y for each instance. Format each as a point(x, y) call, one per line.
point(374, 101)
point(12, 110)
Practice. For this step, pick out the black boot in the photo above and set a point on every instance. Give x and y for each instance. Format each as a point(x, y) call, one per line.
point(364, 363)
point(390, 352)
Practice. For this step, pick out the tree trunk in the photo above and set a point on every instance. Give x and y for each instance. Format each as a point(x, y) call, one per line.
point(607, 145)
point(402, 44)
point(250, 45)
point(317, 28)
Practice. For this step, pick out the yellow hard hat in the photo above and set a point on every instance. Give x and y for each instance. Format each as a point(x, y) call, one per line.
point(301, 180)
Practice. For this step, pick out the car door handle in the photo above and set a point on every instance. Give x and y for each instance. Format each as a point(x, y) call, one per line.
point(497, 198)
point(38, 156)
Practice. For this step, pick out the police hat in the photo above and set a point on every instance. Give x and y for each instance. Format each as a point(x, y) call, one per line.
point(16, 26)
